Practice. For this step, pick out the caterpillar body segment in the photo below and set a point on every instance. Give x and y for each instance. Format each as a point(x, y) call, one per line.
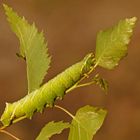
point(48, 93)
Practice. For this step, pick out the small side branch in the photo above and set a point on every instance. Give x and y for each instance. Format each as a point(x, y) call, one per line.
point(9, 134)
point(66, 111)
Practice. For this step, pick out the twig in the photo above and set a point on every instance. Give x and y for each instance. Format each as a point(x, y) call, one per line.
point(66, 111)
point(81, 85)
point(9, 134)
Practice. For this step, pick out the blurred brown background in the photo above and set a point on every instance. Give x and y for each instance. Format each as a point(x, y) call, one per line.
point(70, 27)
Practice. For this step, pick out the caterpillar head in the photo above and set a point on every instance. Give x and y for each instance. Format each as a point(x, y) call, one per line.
point(6, 117)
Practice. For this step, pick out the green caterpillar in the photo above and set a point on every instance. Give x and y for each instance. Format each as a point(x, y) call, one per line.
point(48, 93)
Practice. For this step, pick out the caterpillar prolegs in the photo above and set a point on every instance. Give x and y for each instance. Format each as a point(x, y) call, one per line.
point(48, 93)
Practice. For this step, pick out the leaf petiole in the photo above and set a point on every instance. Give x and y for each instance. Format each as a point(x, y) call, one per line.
point(66, 111)
point(9, 134)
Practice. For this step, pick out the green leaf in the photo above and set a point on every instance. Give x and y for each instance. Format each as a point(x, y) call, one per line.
point(51, 129)
point(32, 47)
point(111, 44)
point(87, 122)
